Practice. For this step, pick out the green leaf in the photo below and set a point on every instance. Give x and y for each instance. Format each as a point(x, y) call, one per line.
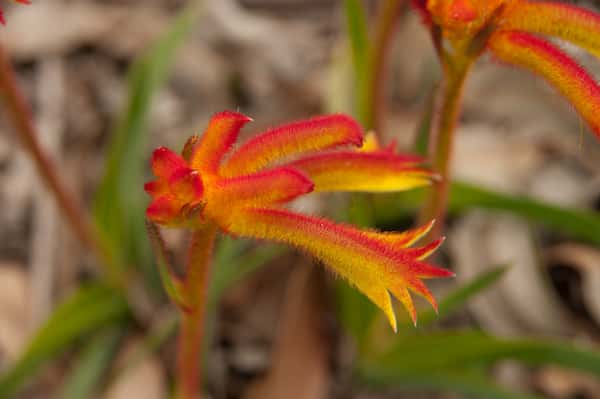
point(461, 295)
point(356, 22)
point(464, 349)
point(576, 223)
point(424, 127)
point(88, 369)
point(90, 308)
point(459, 382)
point(119, 202)
point(457, 361)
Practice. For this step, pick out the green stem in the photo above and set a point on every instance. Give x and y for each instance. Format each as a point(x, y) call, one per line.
point(441, 146)
point(189, 352)
point(22, 119)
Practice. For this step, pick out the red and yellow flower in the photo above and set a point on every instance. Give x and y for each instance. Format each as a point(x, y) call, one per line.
point(243, 192)
point(512, 31)
point(2, 21)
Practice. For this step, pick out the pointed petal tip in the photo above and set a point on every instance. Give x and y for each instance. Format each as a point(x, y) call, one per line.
point(435, 306)
point(165, 162)
point(238, 116)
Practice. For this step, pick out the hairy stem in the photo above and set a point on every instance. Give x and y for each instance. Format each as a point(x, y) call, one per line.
point(441, 147)
point(189, 352)
point(20, 113)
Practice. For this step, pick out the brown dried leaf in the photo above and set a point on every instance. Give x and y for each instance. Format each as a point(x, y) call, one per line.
point(300, 361)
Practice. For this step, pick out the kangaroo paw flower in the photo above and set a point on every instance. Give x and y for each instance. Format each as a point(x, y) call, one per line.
point(510, 29)
point(244, 195)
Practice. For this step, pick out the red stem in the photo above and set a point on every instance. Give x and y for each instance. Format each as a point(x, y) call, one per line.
point(189, 352)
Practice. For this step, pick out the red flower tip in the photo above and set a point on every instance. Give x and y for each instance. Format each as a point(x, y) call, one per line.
point(163, 210)
point(232, 115)
point(166, 162)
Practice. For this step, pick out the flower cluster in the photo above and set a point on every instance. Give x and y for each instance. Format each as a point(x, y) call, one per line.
point(511, 30)
point(243, 193)
point(2, 21)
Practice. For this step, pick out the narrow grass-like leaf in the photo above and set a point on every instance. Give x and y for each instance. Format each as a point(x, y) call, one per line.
point(469, 384)
point(464, 349)
point(424, 128)
point(458, 361)
point(119, 204)
point(358, 35)
point(90, 308)
point(576, 223)
point(91, 364)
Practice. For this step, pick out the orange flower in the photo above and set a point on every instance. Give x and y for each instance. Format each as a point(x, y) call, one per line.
point(244, 195)
point(2, 21)
point(511, 29)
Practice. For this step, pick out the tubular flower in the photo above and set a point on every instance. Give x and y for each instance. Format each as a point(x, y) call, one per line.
point(2, 21)
point(512, 31)
point(243, 192)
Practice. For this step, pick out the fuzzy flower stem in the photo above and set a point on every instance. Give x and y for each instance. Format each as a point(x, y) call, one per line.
point(189, 352)
point(20, 112)
point(441, 147)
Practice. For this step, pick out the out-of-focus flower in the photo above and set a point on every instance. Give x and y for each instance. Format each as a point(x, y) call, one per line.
point(244, 195)
point(511, 30)
point(2, 21)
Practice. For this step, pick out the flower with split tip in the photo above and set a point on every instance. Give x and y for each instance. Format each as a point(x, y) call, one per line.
point(244, 193)
point(2, 21)
point(512, 31)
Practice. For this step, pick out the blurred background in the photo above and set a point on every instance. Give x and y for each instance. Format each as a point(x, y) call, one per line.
point(109, 81)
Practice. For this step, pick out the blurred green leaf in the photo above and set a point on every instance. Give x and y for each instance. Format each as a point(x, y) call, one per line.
point(424, 127)
point(91, 364)
point(119, 202)
point(449, 351)
point(577, 223)
point(461, 295)
point(457, 361)
point(358, 34)
point(465, 383)
point(90, 308)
